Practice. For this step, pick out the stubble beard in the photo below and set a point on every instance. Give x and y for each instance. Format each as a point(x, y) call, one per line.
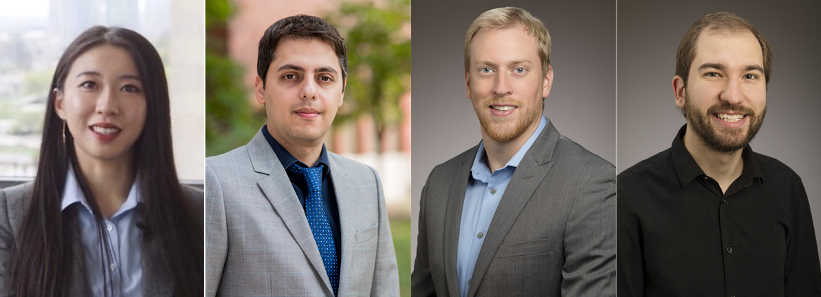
point(735, 139)
point(504, 129)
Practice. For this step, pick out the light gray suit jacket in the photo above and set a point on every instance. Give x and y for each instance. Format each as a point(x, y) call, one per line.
point(14, 202)
point(258, 241)
point(553, 233)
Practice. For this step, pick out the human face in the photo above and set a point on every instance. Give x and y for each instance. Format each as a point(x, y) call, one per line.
point(103, 104)
point(303, 90)
point(505, 82)
point(726, 94)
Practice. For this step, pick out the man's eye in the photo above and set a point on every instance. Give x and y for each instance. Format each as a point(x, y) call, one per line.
point(326, 78)
point(289, 76)
point(519, 70)
point(711, 74)
point(485, 70)
point(750, 76)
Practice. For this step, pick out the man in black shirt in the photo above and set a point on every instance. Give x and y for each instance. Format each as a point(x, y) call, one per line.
point(710, 217)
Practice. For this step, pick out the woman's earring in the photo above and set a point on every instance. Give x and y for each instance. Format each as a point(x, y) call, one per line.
point(64, 132)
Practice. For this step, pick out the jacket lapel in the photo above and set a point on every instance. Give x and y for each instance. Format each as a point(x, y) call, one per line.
point(527, 177)
point(278, 190)
point(346, 204)
point(456, 200)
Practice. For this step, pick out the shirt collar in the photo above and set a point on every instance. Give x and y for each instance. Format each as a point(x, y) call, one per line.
point(287, 159)
point(72, 193)
point(687, 169)
point(481, 168)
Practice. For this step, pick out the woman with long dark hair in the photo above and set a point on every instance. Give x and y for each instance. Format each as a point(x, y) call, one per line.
point(106, 214)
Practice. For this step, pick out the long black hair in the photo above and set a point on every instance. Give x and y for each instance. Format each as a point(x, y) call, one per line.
point(43, 260)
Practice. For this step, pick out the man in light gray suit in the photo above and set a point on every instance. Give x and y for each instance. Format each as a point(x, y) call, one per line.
point(284, 216)
point(527, 212)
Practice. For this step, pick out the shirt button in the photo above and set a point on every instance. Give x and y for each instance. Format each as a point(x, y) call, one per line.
point(724, 201)
point(705, 178)
point(113, 266)
point(108, 226)
point(493, 191)
point(479, 235)
point(729, 250)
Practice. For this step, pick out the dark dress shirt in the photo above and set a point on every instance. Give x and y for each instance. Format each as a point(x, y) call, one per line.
point(301, 188)
point(678, 235)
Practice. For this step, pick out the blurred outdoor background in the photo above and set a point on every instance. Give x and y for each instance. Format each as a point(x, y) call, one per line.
point(373, 125)
point(33, 35)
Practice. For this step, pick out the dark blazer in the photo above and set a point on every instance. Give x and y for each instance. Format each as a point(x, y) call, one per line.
point(553, 233)
point(13, 205)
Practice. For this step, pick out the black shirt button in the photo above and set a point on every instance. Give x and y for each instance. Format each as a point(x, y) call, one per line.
point(724, 201)
point(729, 250)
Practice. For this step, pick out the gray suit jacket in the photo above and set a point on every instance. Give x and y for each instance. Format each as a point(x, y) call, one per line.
point(553, 233)
point(258, 241)
point(14, 202)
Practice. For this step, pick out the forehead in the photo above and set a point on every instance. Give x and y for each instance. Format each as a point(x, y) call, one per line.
point(308, 53)
point(738, 48)
point(104, 59)
point(510, 43)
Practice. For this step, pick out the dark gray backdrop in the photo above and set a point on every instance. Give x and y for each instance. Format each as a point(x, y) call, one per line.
point(648, 36)
point(581, 104)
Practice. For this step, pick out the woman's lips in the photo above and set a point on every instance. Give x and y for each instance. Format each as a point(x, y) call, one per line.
point(104, 131)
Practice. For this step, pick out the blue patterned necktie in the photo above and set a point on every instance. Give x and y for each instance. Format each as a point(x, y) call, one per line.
point(318, 220)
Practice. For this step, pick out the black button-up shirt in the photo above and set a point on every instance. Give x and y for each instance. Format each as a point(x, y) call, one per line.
point(678, 235)
point(301, 187)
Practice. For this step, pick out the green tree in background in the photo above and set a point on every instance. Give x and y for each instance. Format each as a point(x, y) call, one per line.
point(230, 121)
point(379, 56)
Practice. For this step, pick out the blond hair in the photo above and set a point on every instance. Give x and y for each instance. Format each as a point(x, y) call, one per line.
point(508, 16)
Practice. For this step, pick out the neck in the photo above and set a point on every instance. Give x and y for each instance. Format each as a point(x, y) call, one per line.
point(109, 181)
point(306, 152)
point(499, 153)
point(723, 167)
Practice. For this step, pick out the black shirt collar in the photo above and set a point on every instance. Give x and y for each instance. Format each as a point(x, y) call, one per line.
point(287, 159)
point(687, 169)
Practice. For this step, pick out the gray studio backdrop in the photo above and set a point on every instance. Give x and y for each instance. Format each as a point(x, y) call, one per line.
point(582, 102)
point(648, 36)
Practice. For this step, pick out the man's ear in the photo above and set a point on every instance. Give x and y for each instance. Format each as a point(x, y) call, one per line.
point(344, 85)
point(467, 83)
point(679, 91)
point(58, 103)
point(548, 81)
point(259, 90)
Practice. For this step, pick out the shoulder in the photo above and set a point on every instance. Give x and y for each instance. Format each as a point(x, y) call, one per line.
point(448, 167)
point(776, 172)
point(351, 167)
point(13, 204)
point(643, 170)
point(194, 197)
point(16, 198)
point(569, 152)
point(231, 158)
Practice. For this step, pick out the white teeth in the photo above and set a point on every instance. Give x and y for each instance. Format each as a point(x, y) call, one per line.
point(105, 131)
point(730, 117)
point(503, 108)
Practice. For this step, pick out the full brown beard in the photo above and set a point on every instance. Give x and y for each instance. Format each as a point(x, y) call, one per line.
point(500, 129)
point(703, 126)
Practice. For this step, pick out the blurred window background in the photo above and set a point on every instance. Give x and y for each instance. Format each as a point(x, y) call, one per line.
point(33, 36)
point(373, 126)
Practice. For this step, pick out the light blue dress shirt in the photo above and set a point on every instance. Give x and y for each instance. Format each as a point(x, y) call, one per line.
point(124, 267)
point(482, 196)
